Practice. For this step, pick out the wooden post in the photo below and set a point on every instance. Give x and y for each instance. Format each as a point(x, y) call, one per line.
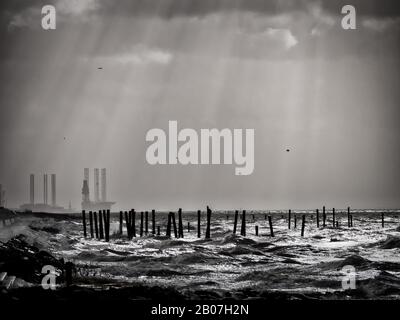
point(101, 224)
point(91, 223)
point(333, 217)
point(271, 229)
point(153, 219)
point(96, 226)
point(133, 223)
point(174, 224)
point(188, 227)
point(208, 228)
point(198, 223)
point(158, 230)
point(236, 220)
point(84, 223)
point(317, 218)
point(128, 224)
point(180, 224)
point(383, 219)
point(295, 221)
point(141, 223)
point(168, 234)
point(146, 229)
point(348, 217)
point(290, 218)
point(256, 230)
point(107, 221)
point(323, 217)
point(243, 229)
point(303, 223)
point(121, 222)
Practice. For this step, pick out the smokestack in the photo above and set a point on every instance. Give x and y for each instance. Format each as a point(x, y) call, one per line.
point(96, 185)
point(53, 190)
point(103, 185)
point(86, 175)
point(45, 189)
point(85, 192)
point(32, 189)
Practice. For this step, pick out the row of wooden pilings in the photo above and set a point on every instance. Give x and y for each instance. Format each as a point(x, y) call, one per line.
point(99, 223)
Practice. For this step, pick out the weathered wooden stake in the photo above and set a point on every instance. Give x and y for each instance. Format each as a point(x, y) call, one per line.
point(127, 223)
point(153, 219)
point(146, 229)
point(174, 224)
point(188, 227)
point(236, 220)
point(91, 223)
point(198, 223)
point(271, 228)
point(180, 224)
point(303, 223)
point(348, 217)
point(323, 217)
point(84, 223)
point(96, 226)
point(256, 230)
point(383, 220)
point(121, 222)
point(133, 223)
point(208, 228)
point(290, 218)
point(317, 218)
point(295, 221)
point(333, 217)
point(243, 228)
point(101, 224)
point(107, 221)
point(168, 234)
point(141, 223)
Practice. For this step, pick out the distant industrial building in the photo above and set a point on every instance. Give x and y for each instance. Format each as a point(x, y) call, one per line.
point(45, 206)
point(99, 203)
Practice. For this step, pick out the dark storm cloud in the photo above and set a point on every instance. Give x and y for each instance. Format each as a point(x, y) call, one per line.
point(172, 8)
point(192, 8)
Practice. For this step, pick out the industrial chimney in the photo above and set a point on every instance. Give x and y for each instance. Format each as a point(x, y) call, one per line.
point(53, 190)
point(32, 189)
point(45, 191)
point(103, 185)
point(96, 185)
point(86, 175)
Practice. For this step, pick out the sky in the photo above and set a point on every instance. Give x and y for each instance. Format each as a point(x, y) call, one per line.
point(285, 68)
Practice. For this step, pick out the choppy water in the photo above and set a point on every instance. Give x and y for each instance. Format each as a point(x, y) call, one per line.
point(241, 267)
